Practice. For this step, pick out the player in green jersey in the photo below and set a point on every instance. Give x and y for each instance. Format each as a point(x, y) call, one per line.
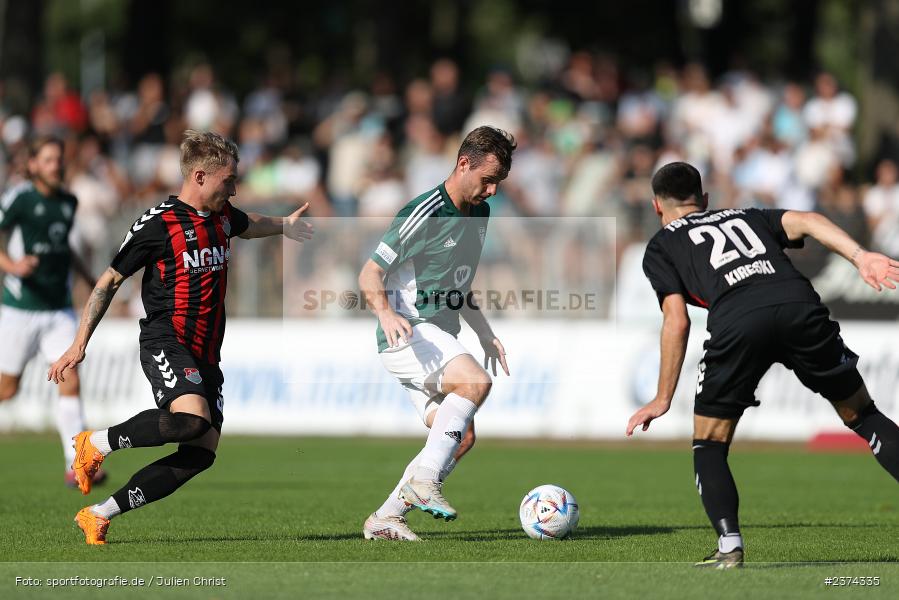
point(417, 282)
point(36, 315)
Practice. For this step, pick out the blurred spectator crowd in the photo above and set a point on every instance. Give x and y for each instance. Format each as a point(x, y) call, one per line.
point(590, 138)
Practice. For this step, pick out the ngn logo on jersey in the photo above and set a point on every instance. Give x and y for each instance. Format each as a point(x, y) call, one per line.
point(206, 257)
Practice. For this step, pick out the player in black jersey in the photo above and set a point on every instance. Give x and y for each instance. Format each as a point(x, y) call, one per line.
point(183, 245)
point(761, 311)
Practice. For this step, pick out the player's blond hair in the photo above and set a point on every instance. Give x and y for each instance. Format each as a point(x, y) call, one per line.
point(207, 151)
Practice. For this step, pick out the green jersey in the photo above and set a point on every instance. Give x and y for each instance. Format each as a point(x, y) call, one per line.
point(430, 254)
point(40, 226)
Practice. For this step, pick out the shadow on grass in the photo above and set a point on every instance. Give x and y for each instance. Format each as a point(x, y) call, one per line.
point(828, 563)
point(493, 535)
point(481, 535)
point(582, 533)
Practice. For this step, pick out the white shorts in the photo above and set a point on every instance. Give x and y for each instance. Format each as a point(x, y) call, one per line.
point(419, 365)
point(24, 333)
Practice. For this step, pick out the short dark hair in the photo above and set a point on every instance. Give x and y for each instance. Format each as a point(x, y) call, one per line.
point(677, 181)
point(38, 142)
point(486, 140)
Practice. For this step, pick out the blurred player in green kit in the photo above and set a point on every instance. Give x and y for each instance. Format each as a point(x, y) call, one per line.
point(36, 316)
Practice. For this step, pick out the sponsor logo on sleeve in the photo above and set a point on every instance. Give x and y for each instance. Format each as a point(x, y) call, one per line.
point(386, 252)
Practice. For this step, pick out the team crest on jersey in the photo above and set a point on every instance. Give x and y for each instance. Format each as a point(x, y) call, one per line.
point(482, 233)
point(67, 211)
point(461, 275)
point(226, 225)
point(192, 375)
point(39, 210)
point(190, 235)
point(57, 232)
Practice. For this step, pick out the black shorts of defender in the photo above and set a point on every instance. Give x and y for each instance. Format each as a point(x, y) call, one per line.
point(798, 335)
point(173, 371)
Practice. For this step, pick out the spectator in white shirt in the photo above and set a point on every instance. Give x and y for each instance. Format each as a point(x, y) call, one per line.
point(881, 204)
point(834, 112)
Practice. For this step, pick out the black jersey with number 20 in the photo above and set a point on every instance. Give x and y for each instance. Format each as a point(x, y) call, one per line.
point(728, 261)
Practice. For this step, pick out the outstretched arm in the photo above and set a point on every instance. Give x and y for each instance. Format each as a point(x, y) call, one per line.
point(493, 348)
point(96, 306)
point(874, 268)
point(675, 333)
point(291, 226)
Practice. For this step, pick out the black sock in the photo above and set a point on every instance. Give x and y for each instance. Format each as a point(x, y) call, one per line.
point(158, 480)
point(882, 436)
point(716, 485)
point(156, 427)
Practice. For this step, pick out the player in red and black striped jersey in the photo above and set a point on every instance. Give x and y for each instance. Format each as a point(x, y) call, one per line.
point(761, 311)
point(183, 245)
point(185, 252)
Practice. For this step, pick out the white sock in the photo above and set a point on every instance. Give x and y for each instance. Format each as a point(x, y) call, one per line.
point(100, 440)
point(393, 506)
point(69, 423)
point(730, 542)
point(451, 421)
point(448, 469)
point(108, 509)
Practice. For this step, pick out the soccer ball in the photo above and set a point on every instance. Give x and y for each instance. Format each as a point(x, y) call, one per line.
point(549, 512)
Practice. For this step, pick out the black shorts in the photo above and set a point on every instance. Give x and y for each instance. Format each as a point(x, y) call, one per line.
point(798, 335)
point(173, 371)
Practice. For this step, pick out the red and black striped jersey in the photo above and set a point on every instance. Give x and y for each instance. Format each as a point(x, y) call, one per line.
point(185, 254)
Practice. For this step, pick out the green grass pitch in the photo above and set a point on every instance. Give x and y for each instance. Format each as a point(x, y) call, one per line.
point(282, 517)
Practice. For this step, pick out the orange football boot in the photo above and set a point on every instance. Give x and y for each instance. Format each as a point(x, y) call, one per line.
point(99, 478)
point(94, 526)
point(87, 460)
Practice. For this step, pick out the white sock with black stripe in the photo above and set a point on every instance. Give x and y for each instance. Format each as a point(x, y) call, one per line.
point(451, 421)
